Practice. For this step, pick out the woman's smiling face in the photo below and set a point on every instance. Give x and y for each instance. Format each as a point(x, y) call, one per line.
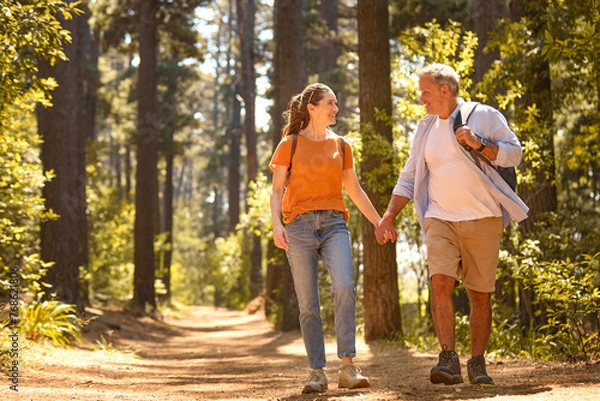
point(325, 110)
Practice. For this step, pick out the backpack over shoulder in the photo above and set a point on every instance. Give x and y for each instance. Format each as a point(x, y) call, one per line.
point(509, 174)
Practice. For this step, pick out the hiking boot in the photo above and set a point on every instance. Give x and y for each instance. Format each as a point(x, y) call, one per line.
point(350, 377)
point(477, 372)
point(447, 370)
point(316, 383)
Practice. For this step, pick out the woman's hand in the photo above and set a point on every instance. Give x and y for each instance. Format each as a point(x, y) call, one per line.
point(280, 237)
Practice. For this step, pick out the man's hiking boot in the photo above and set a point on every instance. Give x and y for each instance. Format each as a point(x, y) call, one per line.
point(350, 377)
point(447, 370)
point(316, 383)
point(477, 372)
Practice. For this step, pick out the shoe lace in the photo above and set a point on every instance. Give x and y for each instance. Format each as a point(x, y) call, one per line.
point(314, 376)
point(478, 367)
point(353, 370)
point(446, 358)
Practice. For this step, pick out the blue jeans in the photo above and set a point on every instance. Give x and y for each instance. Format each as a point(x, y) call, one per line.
point(323, 233)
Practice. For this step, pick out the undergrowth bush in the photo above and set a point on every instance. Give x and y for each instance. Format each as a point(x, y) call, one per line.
point(568, 299)
point(49, 319)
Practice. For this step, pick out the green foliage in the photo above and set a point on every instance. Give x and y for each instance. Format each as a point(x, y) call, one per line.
point(432, 43)
point(216, 270)
point(49, 319)
point(257, 220)
point(21, 204)
point(567, 295)
point(31, 31)
point(111, 216)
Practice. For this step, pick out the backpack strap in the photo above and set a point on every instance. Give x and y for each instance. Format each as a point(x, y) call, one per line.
point(462, 117)
point(343, 146)
point(294, 144)
point(509, 174)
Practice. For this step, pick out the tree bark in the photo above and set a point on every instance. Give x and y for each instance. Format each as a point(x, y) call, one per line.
point(168, 222)
point(381, 297)
point(233, 166)
point(289, 77)
point(328, 46)
point(486, 14)
point(146, 186)
point(246, 10)
point(64, 241)
point(541, 197)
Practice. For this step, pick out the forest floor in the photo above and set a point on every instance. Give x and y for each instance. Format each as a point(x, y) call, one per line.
point(208, 353)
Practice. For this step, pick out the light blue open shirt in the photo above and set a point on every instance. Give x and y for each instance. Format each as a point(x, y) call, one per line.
point(486, 122)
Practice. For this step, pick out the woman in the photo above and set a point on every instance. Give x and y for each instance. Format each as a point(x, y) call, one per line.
point(307, 190)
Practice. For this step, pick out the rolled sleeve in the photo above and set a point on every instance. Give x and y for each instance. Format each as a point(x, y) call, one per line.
point(490, 123)
point(405, 186)
point(509, 154)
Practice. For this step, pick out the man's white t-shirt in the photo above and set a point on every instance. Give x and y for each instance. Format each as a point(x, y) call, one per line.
point(455, 191)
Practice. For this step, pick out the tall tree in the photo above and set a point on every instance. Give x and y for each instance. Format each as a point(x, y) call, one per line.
point(289, 78)
point(542, 196)
point(234, 128)
point(328, 45)
point(486, 14)
point(64, 241)
point(381, 298)
point(146, 186)
point(246, 13)
point(234, 133)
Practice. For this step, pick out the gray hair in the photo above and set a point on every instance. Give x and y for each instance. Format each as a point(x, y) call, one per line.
point(442, 74)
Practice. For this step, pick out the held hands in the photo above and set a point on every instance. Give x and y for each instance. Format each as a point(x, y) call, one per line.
point(385, 231)
point(280, 237)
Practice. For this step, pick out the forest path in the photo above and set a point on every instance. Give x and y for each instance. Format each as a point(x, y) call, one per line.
point(218, 354)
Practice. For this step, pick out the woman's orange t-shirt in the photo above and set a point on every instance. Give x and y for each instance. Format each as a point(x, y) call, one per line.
point(315, 182)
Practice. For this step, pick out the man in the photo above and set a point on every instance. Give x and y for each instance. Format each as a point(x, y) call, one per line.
point(463, 207)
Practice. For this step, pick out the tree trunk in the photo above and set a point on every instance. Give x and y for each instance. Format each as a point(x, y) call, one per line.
point(64, 241)
point(541, 197)
point(146, 186)
point(328, 46)
point(289, 77)
point(233, 165)
point(381, 297)
point(168, 222)
point(91, 76)
point(246, 11)
point(486, 14)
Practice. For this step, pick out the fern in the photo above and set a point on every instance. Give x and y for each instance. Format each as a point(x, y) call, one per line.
point(50, 319)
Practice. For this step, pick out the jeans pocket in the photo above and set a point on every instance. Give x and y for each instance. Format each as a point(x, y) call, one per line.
point(335, 213)
point(299, 218)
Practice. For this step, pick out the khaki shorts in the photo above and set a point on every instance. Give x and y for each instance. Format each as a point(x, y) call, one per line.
point(465, 248)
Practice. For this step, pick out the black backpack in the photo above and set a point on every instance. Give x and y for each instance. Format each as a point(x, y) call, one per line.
point(509, 174)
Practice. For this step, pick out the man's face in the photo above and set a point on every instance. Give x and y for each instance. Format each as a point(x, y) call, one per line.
point(433, 96)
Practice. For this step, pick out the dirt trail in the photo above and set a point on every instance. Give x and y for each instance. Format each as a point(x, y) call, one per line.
point(217, 354)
